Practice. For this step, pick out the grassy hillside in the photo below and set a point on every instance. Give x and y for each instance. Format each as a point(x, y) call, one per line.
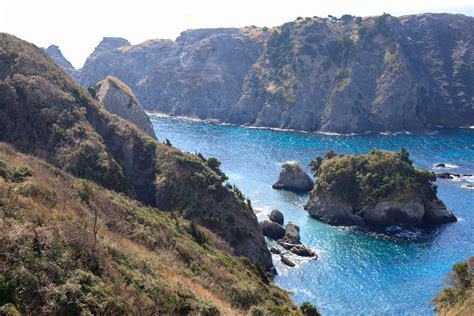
point(43, 112)
point(458, 299)
point(69, 246)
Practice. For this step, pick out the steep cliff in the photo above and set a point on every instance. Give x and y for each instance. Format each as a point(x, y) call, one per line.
point(55, 53)
point(43, 112)
point(343, 75)
point(119, 99)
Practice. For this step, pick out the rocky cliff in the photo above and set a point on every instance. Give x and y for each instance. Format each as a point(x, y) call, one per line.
point(376, 190)
point(55, 53)
point(342, 75)
point(119, 99)
point(43, 112)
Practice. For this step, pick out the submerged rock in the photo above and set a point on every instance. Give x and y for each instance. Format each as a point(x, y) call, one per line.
point(379, 189)
point(293, 178)
point(277, 217)
point(272, 230)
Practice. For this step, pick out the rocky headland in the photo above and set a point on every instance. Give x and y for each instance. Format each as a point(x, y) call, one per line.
point(345, 75)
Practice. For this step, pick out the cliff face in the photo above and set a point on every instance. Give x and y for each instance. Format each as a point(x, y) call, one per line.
point(45, 113)
point(55, 53)
point(119, 99)
point(342, 75)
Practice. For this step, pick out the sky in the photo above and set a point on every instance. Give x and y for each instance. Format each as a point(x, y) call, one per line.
point(78, 26)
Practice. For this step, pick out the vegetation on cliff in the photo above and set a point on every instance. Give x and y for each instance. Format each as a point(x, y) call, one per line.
point(375, 189)
point(69, 246)
point(458, 298)
point(43, 112)
point(366, 179)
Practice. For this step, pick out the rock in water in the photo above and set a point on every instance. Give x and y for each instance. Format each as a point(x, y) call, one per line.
point(292, 234)
point(293, 178)
point(378, 189)
point(120, 100)
point(277, 217)
point(272, 230)
point(287, 261)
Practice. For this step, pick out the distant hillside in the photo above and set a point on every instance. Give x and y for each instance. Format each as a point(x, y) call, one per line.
point(55, 53)
point(347, 74)
point(70, 247)
point(43, 112)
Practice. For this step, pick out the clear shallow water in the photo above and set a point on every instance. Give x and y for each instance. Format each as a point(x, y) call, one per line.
point(355, 274)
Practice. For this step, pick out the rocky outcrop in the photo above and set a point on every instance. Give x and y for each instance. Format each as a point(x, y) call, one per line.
point(272, 230)
point(292, 234)
point(379, 189)
point(45, 113)
point(314, 74)
point(118, 99)
point(293, 178)
point(277, 217)
point(55, 54)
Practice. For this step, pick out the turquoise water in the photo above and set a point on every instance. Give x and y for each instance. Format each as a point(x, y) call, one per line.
point(355, 274)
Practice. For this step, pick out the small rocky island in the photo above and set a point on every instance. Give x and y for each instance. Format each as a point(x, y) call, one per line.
point(293, 178)
point(378, 189)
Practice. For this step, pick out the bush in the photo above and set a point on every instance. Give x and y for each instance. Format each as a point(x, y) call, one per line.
point(309, 309)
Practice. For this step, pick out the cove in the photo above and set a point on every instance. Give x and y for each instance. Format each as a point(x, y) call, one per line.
point(355, 274)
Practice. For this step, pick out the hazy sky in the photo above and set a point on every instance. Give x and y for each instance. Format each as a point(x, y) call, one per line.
point(78, 26)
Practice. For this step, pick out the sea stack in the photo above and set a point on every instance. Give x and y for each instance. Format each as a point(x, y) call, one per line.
point(293, 178)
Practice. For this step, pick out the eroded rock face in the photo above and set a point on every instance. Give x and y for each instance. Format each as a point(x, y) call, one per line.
point(293, 179)
point(55, 53)
point(119, 99)
point(312, 74)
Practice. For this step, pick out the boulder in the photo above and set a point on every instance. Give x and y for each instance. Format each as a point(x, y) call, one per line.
point(302, 251)
point(287, 261)
point(272, 230)
point(293, 178)
point(440, 165)
point(277, 217)
point(292, 234)
point(275, 250)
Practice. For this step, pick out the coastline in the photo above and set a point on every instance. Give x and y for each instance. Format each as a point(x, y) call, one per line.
point(158, 114)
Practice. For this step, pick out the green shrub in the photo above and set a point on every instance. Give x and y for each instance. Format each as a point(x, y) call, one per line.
point(309, 309)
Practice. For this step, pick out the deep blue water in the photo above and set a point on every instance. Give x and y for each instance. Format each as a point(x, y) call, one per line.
point(355, 274)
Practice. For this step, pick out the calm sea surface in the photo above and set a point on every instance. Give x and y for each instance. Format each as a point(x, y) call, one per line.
point(355, 274)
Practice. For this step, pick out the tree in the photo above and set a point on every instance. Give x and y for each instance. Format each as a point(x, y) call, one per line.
point(315, 164)
point(330, 154)
point(309, 309)
point(405, 155)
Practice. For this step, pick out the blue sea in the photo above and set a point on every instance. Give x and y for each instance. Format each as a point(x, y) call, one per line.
point(355, 274)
